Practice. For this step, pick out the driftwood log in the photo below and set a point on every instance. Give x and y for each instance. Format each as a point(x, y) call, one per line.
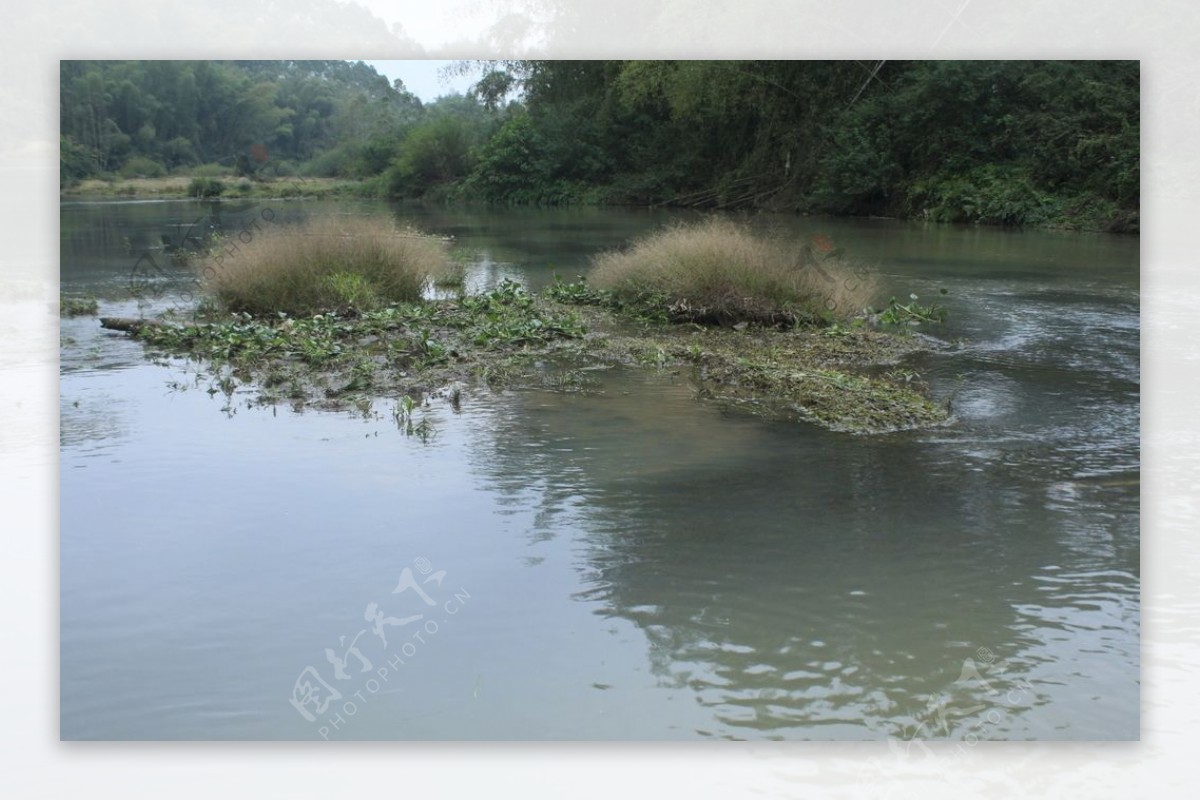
point(129, 324)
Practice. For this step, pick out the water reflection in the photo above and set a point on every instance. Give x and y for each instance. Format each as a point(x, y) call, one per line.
point(804, 584)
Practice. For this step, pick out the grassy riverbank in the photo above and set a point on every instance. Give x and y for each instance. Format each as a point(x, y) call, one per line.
point(179, 187)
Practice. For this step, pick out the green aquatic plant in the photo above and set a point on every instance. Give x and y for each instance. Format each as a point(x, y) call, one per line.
point(78, 307)
point(429, 351)
point(509, 338)
point(423, 430)
point(654, 356)
point(905, 377)
point(402, 414)
point(509, 315)
point(362, 376)
point(645, 305)
point(838, 329)
point(577, 293)
point(568, 381)
point(403, 410)
point(897, 313)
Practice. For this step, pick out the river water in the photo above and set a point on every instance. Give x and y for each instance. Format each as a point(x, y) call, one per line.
point(629, 563)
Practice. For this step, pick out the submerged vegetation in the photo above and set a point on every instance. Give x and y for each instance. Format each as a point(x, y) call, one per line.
point(335, 312)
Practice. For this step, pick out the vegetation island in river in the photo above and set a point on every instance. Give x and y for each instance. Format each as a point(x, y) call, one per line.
point(341, 310)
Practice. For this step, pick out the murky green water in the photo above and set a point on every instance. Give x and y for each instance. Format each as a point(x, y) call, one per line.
point(630, 563)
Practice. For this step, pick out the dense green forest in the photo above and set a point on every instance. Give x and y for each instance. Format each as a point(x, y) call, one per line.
point(1052, 143)
point(143, 118)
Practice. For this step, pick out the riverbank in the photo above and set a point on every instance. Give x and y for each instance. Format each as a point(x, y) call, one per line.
point(1087, 216)
point(842, 379)
point(182, 187)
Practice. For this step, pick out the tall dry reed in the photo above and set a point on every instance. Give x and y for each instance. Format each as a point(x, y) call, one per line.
point(720, 271)
point(333, 263)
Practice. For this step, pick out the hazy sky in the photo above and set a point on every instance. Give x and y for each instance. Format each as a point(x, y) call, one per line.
point(441, 27)
point(421, 77)
point(435, 24)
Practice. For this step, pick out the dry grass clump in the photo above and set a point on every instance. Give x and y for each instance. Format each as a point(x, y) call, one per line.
point(720, 272)
point(339, 264)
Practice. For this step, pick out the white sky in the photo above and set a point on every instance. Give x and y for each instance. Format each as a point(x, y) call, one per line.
point(440, 27)
point(421, 77)
point(436, 24)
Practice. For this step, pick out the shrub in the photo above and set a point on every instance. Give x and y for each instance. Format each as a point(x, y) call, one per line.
point(516, 166)
point(142, 167)
point(338, 264)
point(432, 154)
point(992, 195)
point(179, 152)
point(719, 271)
point(75, 161)
point(277, 169)
point(333, 163)
point(205, 187)
point(211, 171)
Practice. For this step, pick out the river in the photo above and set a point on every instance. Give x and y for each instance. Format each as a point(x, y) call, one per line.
point(626, 563)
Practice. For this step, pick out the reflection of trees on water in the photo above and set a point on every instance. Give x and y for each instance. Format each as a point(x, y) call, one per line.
point(534, 245)
point(809, 584)
point(144, 248)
